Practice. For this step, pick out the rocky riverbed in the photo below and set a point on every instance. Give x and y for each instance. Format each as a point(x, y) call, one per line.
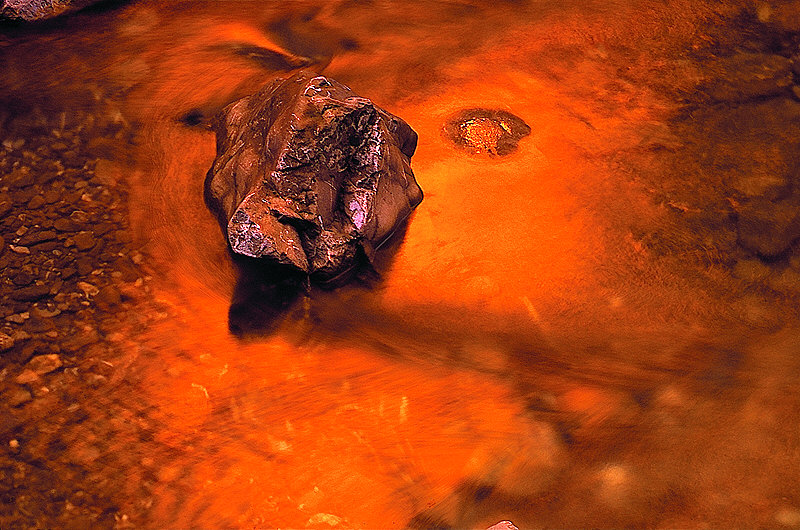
point(74, 293)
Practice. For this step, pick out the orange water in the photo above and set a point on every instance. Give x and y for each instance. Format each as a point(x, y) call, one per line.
point(522, 356)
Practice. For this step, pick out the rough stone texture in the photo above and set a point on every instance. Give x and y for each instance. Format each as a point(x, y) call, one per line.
point(31, 10)
point(308, 174)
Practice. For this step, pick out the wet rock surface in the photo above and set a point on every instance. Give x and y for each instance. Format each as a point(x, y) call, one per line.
point(33, 10)
point(311, 176)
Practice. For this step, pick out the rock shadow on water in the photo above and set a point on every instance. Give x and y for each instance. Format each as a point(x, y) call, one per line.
point(267, 294)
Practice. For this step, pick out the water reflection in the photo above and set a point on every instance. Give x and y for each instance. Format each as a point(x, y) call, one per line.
point(570, 335)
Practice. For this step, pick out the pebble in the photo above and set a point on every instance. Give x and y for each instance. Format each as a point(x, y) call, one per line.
point(6, 203)
point(88, 288)
point(26, 377)
point(47, 320)
point(615, 484)
point(109, 295)
point(66, 225)
point(106, 172)
point(13, 144)
point(123, 236)
point(45, 313)
point(20, 335)
point(23, 278)
point(19, 250)
point(79, 216)
point(96, 380)
point(52, 195)
point(36, 202)
point(6, 342)
point(44, 364)
point(84, 265)
point(84, 240)
point(19, 396)
point(326, 518)
point(34, 238)
point(30, 294)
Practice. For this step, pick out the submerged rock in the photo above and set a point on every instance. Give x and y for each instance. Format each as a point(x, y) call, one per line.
point(486, 131)
point(310, 175)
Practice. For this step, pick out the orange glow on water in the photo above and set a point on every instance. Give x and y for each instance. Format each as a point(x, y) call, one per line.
point(526, 352)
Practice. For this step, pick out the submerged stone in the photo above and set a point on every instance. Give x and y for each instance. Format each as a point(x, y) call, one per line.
point(486, 131)
point(310, 175)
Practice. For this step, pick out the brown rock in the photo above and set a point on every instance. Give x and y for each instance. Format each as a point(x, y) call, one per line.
point(30, 294)
point(34, 238)
point(23, 278)
point(36, 202)
point(26, 377)
point(109, 295)
point(66, 225)
point(308, 174)
point(6, 342)
point(52, 195)
point(85, 266)
point(107, 172)
point(88, 288)
point(44, 364)
point(19, 396)
point(6, 203)
point(31, 10)
point(84, 240)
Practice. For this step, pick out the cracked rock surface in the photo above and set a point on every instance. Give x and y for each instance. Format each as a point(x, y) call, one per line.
point(32, 10)
point(310, 175)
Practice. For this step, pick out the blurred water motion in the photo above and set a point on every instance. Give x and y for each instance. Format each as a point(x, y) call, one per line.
point(573, 334)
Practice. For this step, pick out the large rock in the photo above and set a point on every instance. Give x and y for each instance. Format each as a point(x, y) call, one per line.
point(308, 175)
point(31, 10)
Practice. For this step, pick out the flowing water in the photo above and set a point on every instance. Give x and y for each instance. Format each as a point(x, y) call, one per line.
point(569, 335)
